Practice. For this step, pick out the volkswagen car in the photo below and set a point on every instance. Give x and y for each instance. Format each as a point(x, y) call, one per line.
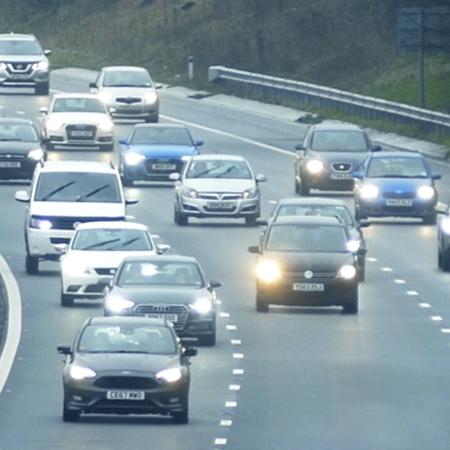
point(127, 365)
point(129, 91)
point(171, 287)
point(77, 121)
point(217, 186)
point(329, 155)
point(95, 251)
point(151, 152)
point(396, 184)
point(306, 261)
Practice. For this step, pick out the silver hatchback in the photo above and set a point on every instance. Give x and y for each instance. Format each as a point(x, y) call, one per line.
point(217, 186)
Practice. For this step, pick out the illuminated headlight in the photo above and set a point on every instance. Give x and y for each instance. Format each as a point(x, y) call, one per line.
point(106, 97)
point(347, 272)
point(353, 245)
point(2, 66)
point(74, 268)
point(268, 271)
point(249, 193)
point(36, 154)
point(150, 97)
point(369, 191)
point(314, 166)
point(118, 304)
point(425, 192)
point(445, 225)
point(106, 125)
point(186, 158)
point(54, 125)
point(169, 375)
point(203, 305)
point(133, 158)
point(81, 373)
point(41, 224)
point(189, 192)
point(41, 65)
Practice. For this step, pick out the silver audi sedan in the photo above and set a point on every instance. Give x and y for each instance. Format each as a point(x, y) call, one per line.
point(130, 91)
point(217, 186)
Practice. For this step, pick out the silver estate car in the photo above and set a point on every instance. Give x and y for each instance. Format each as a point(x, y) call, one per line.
point(217, 186)
point(130, 91)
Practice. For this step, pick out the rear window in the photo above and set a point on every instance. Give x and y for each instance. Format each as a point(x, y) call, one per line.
point(78, 187)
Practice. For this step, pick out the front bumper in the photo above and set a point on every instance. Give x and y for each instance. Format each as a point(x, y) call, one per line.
point(40, 243)
point(328, 181)
point(84, 285)
point(153, 169)
point(382, 208)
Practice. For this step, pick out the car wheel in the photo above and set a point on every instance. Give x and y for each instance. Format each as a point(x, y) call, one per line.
point(66, 300)
point(362, 270)
point(251, 221)
point(439, 259)
point(445, 261)
point(430, 219)
point(181, 416)
point(261, 305)
point(31, 265)
point(181, 219)
point(69, 415)
point(127, 182)
point(351, 306)
point(42, 89)
point(209, 340)
point(297, 187)
point(304, 189)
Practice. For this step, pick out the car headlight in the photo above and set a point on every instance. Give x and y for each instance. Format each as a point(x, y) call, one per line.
point(169, 375)
point(150, 97)
point(353, 245)
point(268, 271)
point(249, 193)
point(425, 192)
point(36, 154)
point(202, 305)
point(106, 97)
point(315, 166)
point(132, 158)
point(81, 373)
point(41, 65)
point(369, 191)
point(445, 225)
point(118, 304)
point(73, 268)
point(41, 224)
point(54, 124)
point(347, 272)
point(2, 66)
point(189, 192)
point(106, 125)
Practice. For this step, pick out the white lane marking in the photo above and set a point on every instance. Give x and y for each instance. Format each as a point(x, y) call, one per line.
point(437, 318)
point(424, 305)
point(220, 441)
point(386, 269)
point(234, 387)
point(398, 281)
point(230, 404)
point(231, 327)
point(226, 423)
point(412, 292)
point(14, 322)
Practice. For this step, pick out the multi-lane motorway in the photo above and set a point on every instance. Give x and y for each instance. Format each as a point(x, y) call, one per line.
point(292, 379)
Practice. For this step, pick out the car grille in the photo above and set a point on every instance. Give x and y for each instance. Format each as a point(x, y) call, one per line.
point(19, 68)
point(70, 223)
point(220, 195)
point(181, 312)
point(128, 100)
point(81, 132)
point(399, 195)
point(125, 382)
point(301, 275)
point(105, 270)
point(342, 167)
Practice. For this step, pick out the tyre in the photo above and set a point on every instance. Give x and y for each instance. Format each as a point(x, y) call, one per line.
point(31, 265)
point(430, 219)
point(362, 270)
point(297, 187)
point(66, 300)
point(445, 261)
point(251, 221)
point(42, 88)
point(181, 417)
point(69, 415)
point(351, 305)
point(209, 340)
point(127, 182)
point(261, 305)
point(304, 190)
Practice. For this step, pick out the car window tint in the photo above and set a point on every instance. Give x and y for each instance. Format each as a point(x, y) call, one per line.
point(129, 78)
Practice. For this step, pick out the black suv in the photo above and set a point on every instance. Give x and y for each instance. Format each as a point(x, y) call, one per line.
point(328, 157)
point(23, 63)
point(306, 261)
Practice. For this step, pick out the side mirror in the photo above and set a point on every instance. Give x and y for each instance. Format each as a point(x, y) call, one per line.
point(43, 110)
point(199, 143)
point(260, 178)
point(436, 176)
point(262, 222)
point(93, 85)
point(162, 248)
point(64, 349)
point(254, 249)
point(363, 223)
point(300, 147)
point(174, 176)
point(376, 148)
point(22, 196)
point(357, 175)
point(213, 284)
point(61, 248)
point(131, 201)
point(123, 141)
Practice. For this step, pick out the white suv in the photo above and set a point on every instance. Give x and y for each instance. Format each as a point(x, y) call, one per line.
point(64, 194)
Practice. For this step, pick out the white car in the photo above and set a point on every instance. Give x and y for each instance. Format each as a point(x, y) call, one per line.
point(130, 91)
point(94, 253)
point(219, 186)
point(77, 121)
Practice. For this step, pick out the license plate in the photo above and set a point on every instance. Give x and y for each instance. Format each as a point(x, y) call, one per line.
point(398, 202)
point(125, 395)
point(220, 205)
point(10, 164)
point(21, 76)
point(170, 317)
point(341, 176)
point(81, 133)
point(308, 287)
point(160, 166)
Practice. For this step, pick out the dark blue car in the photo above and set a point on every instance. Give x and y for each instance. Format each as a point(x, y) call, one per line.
point(396, 184)
point(152, 152)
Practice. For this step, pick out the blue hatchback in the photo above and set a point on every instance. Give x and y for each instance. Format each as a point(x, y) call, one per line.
point(396, 184)
point(152, 152)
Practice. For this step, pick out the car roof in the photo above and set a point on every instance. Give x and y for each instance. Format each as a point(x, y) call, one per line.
point(159, 125)
point(336, 127)
point(396, 154)
point(157, 258)
point(218, 157)
point(18, 120)
point(312, 201)
point(75, 95)
point(78, 166)
point(130, 68)
point(18, 36)
point(308, 220)
point(116, 224)
point(128, 320)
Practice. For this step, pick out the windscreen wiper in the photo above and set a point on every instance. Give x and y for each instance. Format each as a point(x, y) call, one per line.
point(55, 191)
point(90, 194)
